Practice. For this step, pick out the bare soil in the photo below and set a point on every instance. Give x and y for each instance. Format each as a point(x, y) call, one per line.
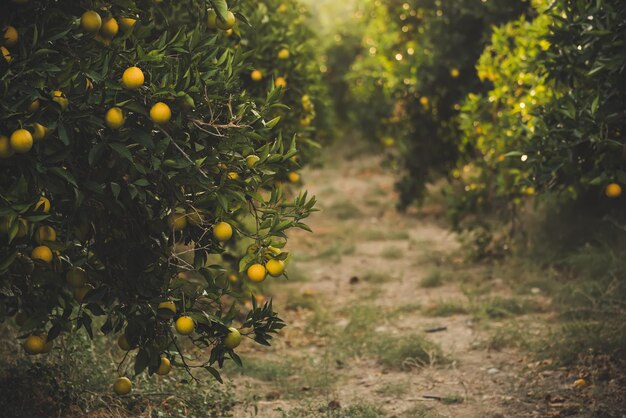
point(363, 253)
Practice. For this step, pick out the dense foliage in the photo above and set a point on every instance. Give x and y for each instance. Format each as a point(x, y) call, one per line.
point(130, 153)
point(416, 66)
point(286, 54)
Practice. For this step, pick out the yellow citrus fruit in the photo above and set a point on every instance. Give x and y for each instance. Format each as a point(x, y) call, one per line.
point(59, 97)
point(5, 147)
point(275, 267)
point(211, 19)
point(256, 75)
point(34, 344)
point(280, 82)
point(45, 233)
point(232, 175)
point(90, 21)
point(256, 273)
point(305, 121)
point(81, 292)
point(10, 36)
point(164, 367)
point(109, 28)
point(177, 221)
point(122, 343)
point(226, 24)
point(34, 106)
point(76, 277)
point(613, 190)
point(282, 8)
point(424, 101)
point(42, 253)
point(283, 54)
point(114, 118)
point(167, 305)
point(133, 78)
point(39, 132)
point(42, 205)
point(122, 386)
point(21, 141)
point(251, 160)
point(222, 231)
point(293, 177)
point(455, 72)
point(184, 325)
point(233, 339)
point(6, 54)
point(232, 278)
point(160, 113)
point(126, 23)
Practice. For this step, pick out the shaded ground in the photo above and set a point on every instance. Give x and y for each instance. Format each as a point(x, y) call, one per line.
point(365, 288)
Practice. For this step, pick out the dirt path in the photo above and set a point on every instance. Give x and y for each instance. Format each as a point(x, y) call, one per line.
point(364, 289)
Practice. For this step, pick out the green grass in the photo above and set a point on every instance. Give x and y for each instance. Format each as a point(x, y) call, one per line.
point(446, 308)
point(420, 411)
point(335, 251)
point(287, 375)
point(398, 352)
point(499, 307)
point(376, 277)
point(392, 253)
point(383, 235)
point(344, 210)
point(434, 279)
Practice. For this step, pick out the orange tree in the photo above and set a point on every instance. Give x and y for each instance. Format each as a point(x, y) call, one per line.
point(493, 172)
point(580, 151)
point(286, 55)
point(552, 119)
point(126, 142)
point(416, 67)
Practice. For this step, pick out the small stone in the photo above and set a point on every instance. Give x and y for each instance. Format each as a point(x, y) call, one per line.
point(493, 370)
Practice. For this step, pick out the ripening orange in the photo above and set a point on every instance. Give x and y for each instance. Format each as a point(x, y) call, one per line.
point(91, 21)
point(21, 141)
point(256, 75)
point(160, 113)
point(133, 78)
point(613, 190)
point(109, 28)
point(10, 36)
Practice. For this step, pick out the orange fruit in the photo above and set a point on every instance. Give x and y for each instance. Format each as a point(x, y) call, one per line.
point(109, 28)
point(185, 325)
point(5, 147)
point(10, 36)
point(21, 141)
point(43, 205)
point(226, 24)
point(256, 75)
point(613, 190)
point(160, 113)
point(256, 273)
point(164, 367)
point(275, 267)
point(59, 97)
point(91, 21)
point(122, 386)
point(133, 78)
point(114, 118)
point(222, 231)
point(42, 253)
